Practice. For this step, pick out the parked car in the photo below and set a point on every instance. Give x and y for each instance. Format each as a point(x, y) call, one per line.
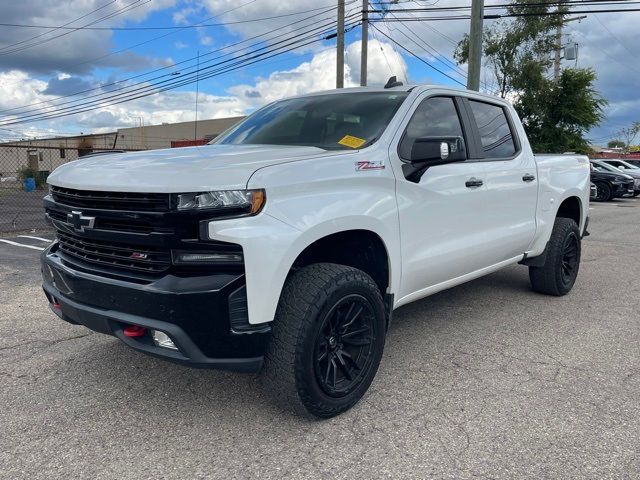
point(593, 192)
point(634, 173)
point(287, 243)
point(620, 164)
point(610, 184)
point(633, 161)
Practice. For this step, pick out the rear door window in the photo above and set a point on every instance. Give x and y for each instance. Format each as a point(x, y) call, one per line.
point(495, 132)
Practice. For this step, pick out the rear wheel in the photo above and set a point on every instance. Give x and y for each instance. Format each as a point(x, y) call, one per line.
point(560, 270)
point(603, 192)
point(328, 338)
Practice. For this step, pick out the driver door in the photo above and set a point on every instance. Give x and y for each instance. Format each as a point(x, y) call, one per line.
point(442, 224)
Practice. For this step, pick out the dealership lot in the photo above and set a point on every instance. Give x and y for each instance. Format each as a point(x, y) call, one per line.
point(487, 380)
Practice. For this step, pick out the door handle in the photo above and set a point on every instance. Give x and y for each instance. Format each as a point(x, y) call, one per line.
point(527, 177)
point(473, 182)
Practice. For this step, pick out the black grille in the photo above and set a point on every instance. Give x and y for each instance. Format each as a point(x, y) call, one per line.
point(141, 259)
point(148, 202)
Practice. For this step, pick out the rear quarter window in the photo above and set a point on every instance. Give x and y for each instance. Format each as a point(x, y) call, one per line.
point(495, 132)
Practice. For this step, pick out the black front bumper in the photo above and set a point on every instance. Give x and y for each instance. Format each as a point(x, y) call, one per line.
point(623, 189)
point(193, 311)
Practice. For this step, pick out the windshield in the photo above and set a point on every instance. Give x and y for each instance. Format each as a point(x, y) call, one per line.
point(331, 122)
point(603, 167)
point(621, 163)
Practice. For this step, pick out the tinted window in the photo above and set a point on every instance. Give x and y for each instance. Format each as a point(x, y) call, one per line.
point(495, 133)
point(434, 117)
point(337, 121)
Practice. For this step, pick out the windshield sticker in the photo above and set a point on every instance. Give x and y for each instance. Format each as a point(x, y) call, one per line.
point(353, 142)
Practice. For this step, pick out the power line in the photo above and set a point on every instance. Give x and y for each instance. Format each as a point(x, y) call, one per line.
point(294, 42)
point(6, 47)
point(120, 11)
point(56, 102)
point(418, 57)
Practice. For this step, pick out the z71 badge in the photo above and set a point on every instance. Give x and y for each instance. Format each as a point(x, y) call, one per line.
point(370, 165)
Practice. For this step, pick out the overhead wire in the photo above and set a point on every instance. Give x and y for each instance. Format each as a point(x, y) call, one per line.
point(294, 42)
point(264, 36)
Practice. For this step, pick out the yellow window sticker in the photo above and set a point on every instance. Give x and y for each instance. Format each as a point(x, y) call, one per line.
point(353, 142)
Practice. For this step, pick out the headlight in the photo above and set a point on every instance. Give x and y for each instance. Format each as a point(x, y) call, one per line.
point(232, 202)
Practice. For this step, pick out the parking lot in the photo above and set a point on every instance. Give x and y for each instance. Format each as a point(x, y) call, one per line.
point(487, 380)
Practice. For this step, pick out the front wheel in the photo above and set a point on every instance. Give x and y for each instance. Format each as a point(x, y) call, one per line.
point(560, 270)
point(603, 192)
point(328, 338)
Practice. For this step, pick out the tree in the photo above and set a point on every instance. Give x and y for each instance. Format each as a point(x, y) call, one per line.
point(616, 144)
point(629, 134)
point(556, 114)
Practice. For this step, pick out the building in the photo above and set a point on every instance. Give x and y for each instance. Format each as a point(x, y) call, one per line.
point(46, 154)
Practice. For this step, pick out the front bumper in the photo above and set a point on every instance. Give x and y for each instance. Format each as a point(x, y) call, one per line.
point(194, 311)
point(622, 189)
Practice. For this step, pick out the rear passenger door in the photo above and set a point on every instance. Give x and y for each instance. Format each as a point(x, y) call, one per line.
point(510, 179)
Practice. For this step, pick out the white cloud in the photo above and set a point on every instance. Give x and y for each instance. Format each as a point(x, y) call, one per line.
point(319, 74)
point(172, 106)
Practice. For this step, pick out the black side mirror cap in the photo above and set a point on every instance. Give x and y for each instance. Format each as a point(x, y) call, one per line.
point(438, 150)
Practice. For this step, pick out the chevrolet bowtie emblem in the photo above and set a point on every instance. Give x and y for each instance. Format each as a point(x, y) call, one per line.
point(79, 222)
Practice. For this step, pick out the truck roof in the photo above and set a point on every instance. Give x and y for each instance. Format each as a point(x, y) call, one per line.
point(406, 88)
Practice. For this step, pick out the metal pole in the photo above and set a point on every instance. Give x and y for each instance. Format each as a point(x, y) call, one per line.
point(556, 60)
point(475, 44)
point(340, 46)
point(365, 43)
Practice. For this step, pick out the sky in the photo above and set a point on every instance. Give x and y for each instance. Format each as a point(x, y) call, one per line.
point(48, 71)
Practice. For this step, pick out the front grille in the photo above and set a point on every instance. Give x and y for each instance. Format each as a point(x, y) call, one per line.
point(108, 254)
point(127, 201)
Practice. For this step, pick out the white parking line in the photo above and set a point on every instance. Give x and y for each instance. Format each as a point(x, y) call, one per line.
point(36, 238)
point(20, 244)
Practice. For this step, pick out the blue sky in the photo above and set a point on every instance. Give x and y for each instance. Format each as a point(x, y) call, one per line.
point(36, 72)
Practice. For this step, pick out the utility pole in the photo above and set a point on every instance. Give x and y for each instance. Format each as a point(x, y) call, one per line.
point(558, 57)
point(340, 46)
point(365, 43)
point(475, 44)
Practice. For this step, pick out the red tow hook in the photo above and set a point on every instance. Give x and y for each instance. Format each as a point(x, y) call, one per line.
point(134, 331)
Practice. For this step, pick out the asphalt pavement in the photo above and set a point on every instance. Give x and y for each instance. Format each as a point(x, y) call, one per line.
point(487, 380)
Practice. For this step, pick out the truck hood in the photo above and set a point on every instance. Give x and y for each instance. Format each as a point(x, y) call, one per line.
point(193, 169)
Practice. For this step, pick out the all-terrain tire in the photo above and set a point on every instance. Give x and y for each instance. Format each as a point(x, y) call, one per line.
point(311, 297)
point(560, 269)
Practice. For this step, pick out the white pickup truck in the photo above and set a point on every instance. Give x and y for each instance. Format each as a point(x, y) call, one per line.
point(285, 245)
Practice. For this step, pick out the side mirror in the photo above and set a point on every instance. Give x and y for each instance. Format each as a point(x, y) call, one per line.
point(621, 168)
point(438, 150)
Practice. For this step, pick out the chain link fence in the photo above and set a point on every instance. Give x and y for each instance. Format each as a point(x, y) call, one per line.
point(23, 173)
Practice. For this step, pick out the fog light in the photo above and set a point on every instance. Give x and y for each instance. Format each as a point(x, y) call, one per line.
point(207, 257)
point(161, 339)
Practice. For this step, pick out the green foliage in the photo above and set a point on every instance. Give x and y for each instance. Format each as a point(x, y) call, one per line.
point(616, 144)
point(28, 172)
point(556, 114)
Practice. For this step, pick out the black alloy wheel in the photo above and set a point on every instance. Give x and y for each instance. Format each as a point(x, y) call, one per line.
point(345, 345)
point(569, 258)
point(603, 192)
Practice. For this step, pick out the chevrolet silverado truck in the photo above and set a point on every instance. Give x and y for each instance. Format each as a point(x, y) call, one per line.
point(285, 245)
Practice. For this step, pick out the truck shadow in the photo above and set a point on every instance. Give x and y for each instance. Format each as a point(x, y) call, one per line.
point(175, 390)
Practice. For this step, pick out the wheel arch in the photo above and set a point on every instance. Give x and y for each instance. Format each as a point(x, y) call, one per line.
point(359, 248)
point(571, 207)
